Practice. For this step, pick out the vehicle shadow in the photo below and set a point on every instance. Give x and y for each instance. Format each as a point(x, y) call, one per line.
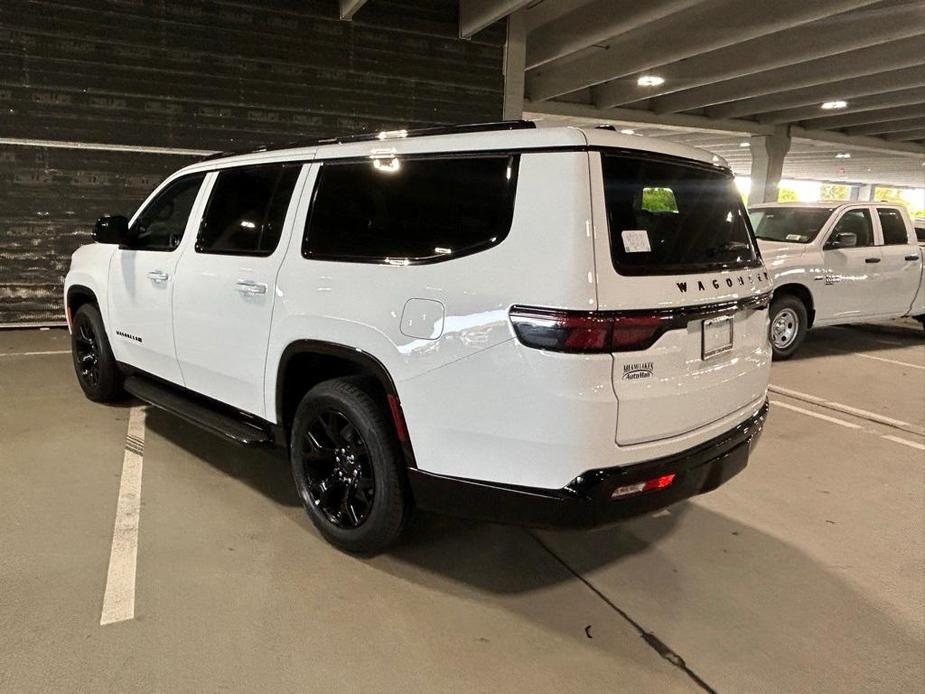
point(265, 470)
point(860, 338)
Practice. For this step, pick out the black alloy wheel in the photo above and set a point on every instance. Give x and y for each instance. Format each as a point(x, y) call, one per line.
point(339, 475)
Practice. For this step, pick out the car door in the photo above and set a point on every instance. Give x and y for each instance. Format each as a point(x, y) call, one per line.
point(141, 278)
point(850, 273)
point(226, 284)
point(900, 267)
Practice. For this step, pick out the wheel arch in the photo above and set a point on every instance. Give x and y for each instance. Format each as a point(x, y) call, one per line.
point(305, 363)
point(801, 292)
point(77, 296)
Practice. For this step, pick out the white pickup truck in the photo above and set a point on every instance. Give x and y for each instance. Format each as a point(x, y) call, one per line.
point(834, 263)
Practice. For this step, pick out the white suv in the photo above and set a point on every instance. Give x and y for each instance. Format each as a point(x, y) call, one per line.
point(554, 327)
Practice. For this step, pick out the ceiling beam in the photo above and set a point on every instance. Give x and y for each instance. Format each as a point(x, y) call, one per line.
point(475, 15)
point(683, 122)
point(629, 116)
point(903, 97)
point(594, 23)
point(751, 93)
point(849, 88)
point(874, 144)
point(889, 127)
point(807, 42)
point(718, 23)
point(348, 8)
point(908, 135)
point(866, 117)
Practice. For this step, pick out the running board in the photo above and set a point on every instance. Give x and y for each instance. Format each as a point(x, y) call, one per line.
point(196, 412)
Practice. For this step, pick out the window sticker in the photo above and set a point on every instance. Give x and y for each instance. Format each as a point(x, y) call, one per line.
point(796, 237)
point(636, 241)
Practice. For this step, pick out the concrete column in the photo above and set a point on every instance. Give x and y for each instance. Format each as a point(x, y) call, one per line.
point(865, 193)
point(768, 152)
point(515, 55)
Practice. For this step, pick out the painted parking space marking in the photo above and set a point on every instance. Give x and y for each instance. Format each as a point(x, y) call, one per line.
point(119, 597)
point(904, 442)
point(892, 361)
point(841, 407)
point(35, 354)
point(817, 415)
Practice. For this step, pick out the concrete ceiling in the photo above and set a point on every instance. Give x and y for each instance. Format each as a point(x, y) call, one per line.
point(737, 67)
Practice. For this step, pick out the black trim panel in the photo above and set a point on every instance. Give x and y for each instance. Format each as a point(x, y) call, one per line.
point(586, 501)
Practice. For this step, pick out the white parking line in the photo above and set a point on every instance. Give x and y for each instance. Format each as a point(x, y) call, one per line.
point(35, 354)
point(847, 409)
point(119, 598)
point(891, 361)
point(904, 442)
point(833, 420)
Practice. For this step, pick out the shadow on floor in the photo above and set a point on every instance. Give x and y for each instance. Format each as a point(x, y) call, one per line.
point(265, 470)
point(861, 338)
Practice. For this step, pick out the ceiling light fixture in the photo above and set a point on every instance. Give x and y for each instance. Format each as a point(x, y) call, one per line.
point(843, 155)
point(835, 104)
point(650, 81)
point(745, 144)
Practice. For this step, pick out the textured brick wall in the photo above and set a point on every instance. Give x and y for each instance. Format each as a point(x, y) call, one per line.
point(200, 75)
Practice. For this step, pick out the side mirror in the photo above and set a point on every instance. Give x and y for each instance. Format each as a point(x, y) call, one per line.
point(843, 239)
point(112, 229)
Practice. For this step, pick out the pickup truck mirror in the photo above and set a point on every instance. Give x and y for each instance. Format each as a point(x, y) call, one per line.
point(843, 239)
point(111, 229)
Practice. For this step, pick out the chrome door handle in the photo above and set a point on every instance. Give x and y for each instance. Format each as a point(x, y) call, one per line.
point(251, 287)
point(157, 276)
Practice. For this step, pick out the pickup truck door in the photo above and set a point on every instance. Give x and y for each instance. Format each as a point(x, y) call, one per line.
point(901, 266)
point(141, 278)
point(849, 274)
point(226, 284)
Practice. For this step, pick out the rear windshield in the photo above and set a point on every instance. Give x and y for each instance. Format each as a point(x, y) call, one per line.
point(789, 224)
point(671, 218)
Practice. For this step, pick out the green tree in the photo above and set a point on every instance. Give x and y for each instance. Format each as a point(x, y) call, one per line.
point(658, 200)
point(833, 191)
point(786, 195)
point(895, 195)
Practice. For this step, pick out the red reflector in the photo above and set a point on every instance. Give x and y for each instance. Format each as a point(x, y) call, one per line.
point(640, 487)
point(397, 418)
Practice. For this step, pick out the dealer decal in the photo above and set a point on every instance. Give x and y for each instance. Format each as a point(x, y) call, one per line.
point(633, 372)
point(740, 281)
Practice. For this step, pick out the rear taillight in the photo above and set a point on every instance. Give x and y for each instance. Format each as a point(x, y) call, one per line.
point(586, 332)
point(640, 487)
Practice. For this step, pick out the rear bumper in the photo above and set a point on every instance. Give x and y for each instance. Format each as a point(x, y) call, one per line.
point(586, 501)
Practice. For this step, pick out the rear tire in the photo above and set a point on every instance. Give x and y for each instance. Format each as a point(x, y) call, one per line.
point(97, 371)
point(788, 325)
point(347, 467)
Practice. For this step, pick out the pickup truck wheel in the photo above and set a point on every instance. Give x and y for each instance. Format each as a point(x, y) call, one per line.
point(346, 467)
point(788, 326)
point(97, 371)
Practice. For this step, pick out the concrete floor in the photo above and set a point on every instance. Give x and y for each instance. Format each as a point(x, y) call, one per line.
point(805, 573)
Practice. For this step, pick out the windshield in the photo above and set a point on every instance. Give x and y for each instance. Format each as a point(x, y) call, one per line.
point(789, 224)
point(668, 217)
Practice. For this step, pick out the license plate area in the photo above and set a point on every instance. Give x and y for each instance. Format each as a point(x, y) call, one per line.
point(716, 336)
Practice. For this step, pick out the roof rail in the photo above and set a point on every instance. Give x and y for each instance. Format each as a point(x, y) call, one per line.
point(385, 135)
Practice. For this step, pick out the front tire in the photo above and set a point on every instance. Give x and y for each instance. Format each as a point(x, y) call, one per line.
point(788, 326)
point(97, 371)
point(347, 467)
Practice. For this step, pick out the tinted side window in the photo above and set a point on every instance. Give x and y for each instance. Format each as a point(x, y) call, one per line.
point(858, 223)
point(893, 227)
point(410, 209)
point(247, 209)
point(160, 225)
